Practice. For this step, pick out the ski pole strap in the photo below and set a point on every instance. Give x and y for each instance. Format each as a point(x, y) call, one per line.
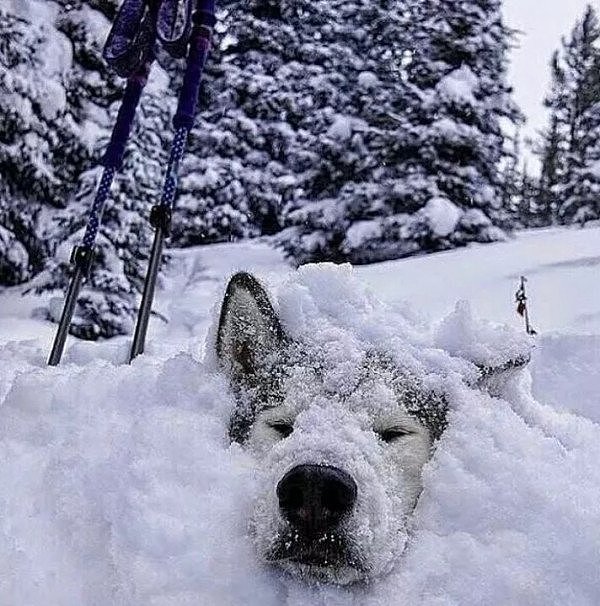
point(132, 36)
point(113, 157)
point(204, 22)
point(174, 24)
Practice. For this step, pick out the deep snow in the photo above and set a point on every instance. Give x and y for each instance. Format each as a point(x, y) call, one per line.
point(119, 486)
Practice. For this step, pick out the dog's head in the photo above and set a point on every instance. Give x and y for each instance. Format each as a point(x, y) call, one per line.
point(340, 436)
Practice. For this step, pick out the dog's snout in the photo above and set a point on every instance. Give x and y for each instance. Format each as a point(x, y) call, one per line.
point(315, 498)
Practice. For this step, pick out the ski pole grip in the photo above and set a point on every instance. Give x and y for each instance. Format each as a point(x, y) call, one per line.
point(113, 156)
point(204, 22)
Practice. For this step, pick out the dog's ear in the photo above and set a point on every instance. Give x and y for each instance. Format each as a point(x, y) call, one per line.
point(249, 334)
point(494, 378)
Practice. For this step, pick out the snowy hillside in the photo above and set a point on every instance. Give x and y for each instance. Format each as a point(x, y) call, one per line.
point(119, 486)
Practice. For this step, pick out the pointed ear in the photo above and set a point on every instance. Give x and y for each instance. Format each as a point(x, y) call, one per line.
point(494, 378)
point(249, 334)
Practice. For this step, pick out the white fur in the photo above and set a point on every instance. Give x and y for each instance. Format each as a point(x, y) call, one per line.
point(341, 431)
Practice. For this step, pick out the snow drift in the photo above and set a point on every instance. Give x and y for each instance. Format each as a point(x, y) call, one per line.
point(119, 485)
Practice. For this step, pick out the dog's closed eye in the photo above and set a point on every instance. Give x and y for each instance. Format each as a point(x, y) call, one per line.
point(282, 428)
point(392, 433)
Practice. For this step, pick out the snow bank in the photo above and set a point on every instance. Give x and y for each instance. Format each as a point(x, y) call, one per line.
point(566, 373)
point(119, 486)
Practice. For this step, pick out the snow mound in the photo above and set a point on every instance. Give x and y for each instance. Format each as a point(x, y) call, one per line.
point(484, 343)
point(441, 215)
point(459, 86)
point(120, 487)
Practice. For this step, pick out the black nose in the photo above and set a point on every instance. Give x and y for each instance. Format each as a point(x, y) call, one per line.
point(314, 498)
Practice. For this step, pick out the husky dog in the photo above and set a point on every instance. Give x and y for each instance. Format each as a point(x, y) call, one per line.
point(342, 459)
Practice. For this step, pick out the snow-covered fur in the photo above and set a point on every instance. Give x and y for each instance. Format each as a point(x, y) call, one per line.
point(350, 409)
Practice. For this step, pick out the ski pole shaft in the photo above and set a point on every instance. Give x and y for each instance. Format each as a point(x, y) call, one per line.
point(65, 320)
point(82, 256)
point(141, 327)
point(160, 217)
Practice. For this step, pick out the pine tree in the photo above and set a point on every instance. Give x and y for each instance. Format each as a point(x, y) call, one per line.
point(582, 64)
point(353, 196)
point(43, 142)
point(312, 101)
point(511, 178)
point(461, 66)
point(530, 212)
point(554, 147)
point(233, 178)
point(422, 170)
point(581, 193)
point(569, 172)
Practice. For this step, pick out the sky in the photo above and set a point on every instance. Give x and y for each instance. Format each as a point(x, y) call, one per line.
point(542, 23)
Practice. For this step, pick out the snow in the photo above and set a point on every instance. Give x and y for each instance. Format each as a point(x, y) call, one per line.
point(441, 215)
point(119, 486)
point(458, 86)
point(361, 231)
point(368, 80)
point(341, 128)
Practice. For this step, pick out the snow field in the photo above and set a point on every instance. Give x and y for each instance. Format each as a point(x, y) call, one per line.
point(119, 485)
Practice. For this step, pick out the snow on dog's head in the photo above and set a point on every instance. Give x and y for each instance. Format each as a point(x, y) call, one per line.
point(341, 415)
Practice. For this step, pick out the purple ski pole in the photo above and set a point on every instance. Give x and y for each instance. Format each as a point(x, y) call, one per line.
point(160, 216)
point(82, 255)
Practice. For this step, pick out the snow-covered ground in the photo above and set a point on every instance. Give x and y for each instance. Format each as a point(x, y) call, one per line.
point(119, 487)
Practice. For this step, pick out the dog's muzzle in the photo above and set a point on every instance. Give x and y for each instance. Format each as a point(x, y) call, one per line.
point(314, 499)
point(314, 502)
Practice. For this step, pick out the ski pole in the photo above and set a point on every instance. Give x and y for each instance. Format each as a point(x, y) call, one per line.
point(83, 254)
point(160, 216)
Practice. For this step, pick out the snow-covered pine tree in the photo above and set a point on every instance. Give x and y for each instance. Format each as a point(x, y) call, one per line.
point(44, 136)
point(511, 182)
point(311, 96)
point(234, 176)
point(356, 183)
point(426, 167)
point(107, 303)
point(106, 306)
point(530, 212)
point(581, 192)
point(581, 68)
point(554, 145)
point(460, 64)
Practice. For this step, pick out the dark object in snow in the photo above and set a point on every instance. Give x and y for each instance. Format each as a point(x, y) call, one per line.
point(130, 50)
point(522, 310)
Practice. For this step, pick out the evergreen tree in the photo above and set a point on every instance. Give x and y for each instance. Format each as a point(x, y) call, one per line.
point(569, 173)
point(233, 177)
point(461, 66)
point(511, 178)
point(43, 134)
point(555, 139)
point(530, 212)
point(582, 65)
point(355, 184)
point(581, 194)
point(425, 174)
